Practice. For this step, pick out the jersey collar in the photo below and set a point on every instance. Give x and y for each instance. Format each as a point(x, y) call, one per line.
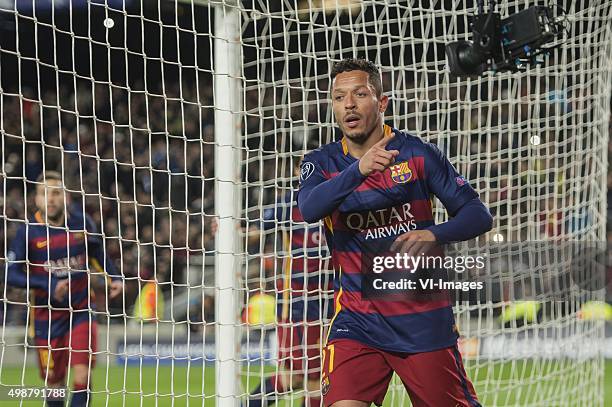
point(38, 217)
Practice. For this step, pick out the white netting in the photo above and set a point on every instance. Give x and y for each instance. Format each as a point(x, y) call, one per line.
point(131, 100)
point(533, 144)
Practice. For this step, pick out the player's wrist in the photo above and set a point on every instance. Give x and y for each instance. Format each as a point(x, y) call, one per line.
point(52, 285)
point(362, 172)
point(434, 235)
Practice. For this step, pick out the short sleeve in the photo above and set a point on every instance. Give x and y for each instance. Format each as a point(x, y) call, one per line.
point(450, 187)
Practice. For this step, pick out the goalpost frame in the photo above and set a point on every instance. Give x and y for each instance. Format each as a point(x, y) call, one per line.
point(227, 96)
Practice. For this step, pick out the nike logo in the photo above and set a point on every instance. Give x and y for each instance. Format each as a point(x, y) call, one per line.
point(41, 244)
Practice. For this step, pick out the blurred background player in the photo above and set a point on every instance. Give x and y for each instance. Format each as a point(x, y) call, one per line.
point(304, 303)
point(50, 255)
point(373, 188)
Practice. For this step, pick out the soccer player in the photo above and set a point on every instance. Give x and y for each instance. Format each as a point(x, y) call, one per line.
point(49, 255)
point(371, 188)
point(302, 304)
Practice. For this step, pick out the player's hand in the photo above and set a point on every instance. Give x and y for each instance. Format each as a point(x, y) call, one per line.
point(61, 289)
point(377, 158)
point(415, 242)
point(116, 287)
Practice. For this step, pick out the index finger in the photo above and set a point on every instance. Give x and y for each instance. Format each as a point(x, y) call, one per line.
point(385, 140)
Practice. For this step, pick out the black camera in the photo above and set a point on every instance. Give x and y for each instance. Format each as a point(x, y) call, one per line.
point(507, 44)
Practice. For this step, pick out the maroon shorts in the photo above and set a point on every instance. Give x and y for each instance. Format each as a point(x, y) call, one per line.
point(353, 371)
point(299, 347)
point(77, 347)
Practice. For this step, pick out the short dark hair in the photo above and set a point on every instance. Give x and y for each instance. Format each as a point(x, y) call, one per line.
point(358, 64)
point(49, 175)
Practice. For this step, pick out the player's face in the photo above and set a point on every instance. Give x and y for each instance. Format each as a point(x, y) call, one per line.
point(356, 106)
point(50, 199)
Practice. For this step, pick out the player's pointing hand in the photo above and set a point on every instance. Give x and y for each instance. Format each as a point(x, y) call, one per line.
point(415, 242)
point(378, 158)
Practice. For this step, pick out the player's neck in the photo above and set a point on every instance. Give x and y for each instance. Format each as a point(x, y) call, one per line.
point(358, 150)
point(58, 222)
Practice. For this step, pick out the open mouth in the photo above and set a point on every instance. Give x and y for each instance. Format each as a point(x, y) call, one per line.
point(352, 121)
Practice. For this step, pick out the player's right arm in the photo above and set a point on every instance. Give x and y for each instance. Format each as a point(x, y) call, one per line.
point(272, 217)
point(16, 274)
point(319, 196)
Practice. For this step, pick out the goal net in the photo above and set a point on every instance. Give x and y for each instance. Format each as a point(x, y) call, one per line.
point(178, 126)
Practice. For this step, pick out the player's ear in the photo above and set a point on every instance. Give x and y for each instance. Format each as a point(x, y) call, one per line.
point(383, 102)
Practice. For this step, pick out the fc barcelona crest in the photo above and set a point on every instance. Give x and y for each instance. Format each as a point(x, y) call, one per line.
point(400, 172)
point(325, 386)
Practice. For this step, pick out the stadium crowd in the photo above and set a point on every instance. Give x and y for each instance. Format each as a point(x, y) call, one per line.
point(141, 164)
point(143, 176)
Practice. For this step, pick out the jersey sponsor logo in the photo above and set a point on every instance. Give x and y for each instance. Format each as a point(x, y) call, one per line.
point(391, 230)
point(382, 223)
point(306, 171)
point(61, 267)
point(401, 172)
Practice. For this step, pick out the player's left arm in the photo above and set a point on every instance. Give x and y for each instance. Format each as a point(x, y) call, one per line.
point(469, 217)
point(272, 217)
point(99, 260)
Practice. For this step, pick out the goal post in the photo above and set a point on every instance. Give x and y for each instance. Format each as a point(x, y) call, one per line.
point(227, 97)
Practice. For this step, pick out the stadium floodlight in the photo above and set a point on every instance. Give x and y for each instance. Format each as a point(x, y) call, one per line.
point(507, 44)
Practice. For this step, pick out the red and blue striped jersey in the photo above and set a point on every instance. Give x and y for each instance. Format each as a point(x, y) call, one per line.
point(362, 212)
point(41, 255)
point(302, 291)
